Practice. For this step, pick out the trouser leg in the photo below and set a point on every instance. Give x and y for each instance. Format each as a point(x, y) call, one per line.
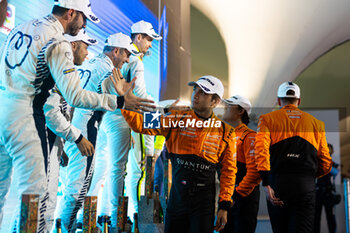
point(202, 214)
point(100, 171)
point(331, 220)
point(176, 223)
point(135, 174)
point(249, 212)
point(242, 217)
point(119, 144)
point(5, 179)
point(318, 211)
point(278, 217)
point(55, 153)
point(302, 213)
point(28, 149)
point(75, 181)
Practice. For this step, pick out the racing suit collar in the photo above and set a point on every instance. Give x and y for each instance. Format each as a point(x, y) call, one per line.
point(290, 106)
point(138, 50)
point(202, 118)
point(241, 127)
point(57, 24)
point(108, 60)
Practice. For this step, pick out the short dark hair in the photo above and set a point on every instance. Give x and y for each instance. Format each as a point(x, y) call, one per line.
point(330, 145)
point(215, 96)
point(108, 49)
point(59, 11)
point(289, 100)
point(245, 118)
point(133, 35)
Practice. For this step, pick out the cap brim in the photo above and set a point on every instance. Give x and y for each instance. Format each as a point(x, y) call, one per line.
point(90, 41)
point(155, 36)
point(192, 83)
point(227, 101)
point(91, 16)
point(205, 89)
point(133, 51)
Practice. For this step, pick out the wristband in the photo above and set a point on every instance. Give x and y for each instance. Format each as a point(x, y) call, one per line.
point(79, 139)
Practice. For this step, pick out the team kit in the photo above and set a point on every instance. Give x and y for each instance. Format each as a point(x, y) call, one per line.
point(90, 123)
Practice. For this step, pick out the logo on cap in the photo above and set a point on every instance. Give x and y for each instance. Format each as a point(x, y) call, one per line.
point(209, 81)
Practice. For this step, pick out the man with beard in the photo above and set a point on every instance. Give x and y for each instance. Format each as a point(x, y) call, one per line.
point(58, 116)
point(35, 57)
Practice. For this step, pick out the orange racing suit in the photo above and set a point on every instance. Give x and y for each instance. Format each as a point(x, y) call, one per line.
point(195, 152)
point(242, 217)
point(247, 177)
point(291, 151)
point(291, 141)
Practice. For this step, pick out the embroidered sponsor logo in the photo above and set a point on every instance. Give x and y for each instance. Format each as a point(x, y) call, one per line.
point(69, 71)
point(193, 165)
point(69, 55)
point(293, 155)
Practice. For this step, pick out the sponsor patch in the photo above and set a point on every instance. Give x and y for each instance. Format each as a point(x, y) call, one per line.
point(69, 55)
point(69, 71)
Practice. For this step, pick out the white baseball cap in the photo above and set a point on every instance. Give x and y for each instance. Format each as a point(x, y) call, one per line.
point(145, 28)
point(82, 36)
point(285, 87)
point(121, 40)
point(79, 5)
point(210, 85)
point(241, 101)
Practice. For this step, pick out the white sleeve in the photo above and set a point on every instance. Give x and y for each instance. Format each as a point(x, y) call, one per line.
point(137, 70)
point(60, 61)
point(56, 121)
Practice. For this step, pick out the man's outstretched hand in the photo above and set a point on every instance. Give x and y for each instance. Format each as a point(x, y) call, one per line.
point(120, 84)
point(125, 89)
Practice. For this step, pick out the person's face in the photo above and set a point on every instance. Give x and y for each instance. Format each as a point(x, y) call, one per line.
point(3, 11)
point(232, 112)
point(144, 43)
point(77, 21)
point(201, 101)
point(120, 56)
point(80, 52)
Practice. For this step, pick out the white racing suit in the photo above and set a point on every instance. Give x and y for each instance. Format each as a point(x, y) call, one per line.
point(118, 140)
point(35, 57)
point(57, 115)
point(76, 177)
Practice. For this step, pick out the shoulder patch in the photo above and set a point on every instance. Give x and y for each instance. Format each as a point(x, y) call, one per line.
point(69, 71)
